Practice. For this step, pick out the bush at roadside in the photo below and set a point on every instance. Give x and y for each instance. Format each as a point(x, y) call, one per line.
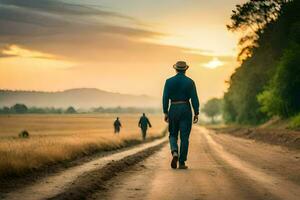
point(295, 122)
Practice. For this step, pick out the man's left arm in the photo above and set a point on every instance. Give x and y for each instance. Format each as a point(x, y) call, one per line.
point(149, 123)
point(195, 102)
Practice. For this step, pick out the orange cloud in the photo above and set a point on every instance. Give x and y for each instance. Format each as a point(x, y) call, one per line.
point(15, 50)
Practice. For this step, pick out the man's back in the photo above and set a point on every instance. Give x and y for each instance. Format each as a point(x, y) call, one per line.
point(117, 123)
point(144, 121)
point(180, 88)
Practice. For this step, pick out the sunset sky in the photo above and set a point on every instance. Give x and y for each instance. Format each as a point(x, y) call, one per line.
point(126, 46)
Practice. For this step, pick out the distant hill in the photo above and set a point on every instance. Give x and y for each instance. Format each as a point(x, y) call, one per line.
point(84, 98)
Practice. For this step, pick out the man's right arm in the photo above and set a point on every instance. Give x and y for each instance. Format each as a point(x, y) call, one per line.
point(166, 99)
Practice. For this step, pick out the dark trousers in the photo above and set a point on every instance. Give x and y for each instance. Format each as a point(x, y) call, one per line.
point(117, 129)
point(144, 133)
point(180, 121)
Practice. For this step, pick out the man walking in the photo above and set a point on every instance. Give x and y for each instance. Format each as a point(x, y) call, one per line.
point(180, 89)
point(117, 125)
point(143, 124)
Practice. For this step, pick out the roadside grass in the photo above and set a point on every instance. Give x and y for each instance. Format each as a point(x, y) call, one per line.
point(60, 138)
point(294, 122)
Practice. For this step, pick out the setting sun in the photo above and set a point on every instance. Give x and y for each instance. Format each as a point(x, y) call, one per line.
point(214, 63)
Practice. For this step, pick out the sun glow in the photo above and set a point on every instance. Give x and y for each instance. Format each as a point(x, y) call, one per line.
point(213, 64)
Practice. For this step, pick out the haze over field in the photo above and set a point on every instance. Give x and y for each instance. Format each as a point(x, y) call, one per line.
point(119, 46)
point(84, 98)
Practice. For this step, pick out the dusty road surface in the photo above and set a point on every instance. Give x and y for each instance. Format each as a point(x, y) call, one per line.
point(220, 167)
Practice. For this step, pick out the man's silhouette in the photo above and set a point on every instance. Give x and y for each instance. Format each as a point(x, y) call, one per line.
point(143, 124)
point(117, 125)
point(179, 89)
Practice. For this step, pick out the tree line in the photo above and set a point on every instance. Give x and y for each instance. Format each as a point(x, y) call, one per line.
point(267, 83)
point(23, 109)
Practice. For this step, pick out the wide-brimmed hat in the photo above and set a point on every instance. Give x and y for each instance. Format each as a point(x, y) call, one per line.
point(181, 65)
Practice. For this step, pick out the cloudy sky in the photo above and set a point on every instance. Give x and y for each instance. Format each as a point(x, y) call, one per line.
point(126, 46)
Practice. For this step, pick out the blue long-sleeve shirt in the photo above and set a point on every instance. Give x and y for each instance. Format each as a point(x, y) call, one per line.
point(180, 88)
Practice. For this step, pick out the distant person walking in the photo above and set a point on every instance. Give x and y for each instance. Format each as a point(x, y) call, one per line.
point(179, 89)
point(143, 124)
point(117, 125)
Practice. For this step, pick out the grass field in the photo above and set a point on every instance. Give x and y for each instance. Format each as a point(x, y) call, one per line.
point(55, 138)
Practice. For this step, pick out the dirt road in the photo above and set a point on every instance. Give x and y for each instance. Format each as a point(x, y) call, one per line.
point(220, 167)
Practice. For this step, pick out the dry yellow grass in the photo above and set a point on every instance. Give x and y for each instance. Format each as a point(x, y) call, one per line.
point(55, 138)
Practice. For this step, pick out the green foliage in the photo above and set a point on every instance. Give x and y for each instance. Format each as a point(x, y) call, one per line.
point(22, 109)
point(294, 122)
point(229, 110)
point(250, 19)
point(126, 110)
point(4, 110)
point(267, 81)
point(19, 108)
point(269, 102)
point(38, 110)
point(71, 110)
point(282, 96)
point(213, 108)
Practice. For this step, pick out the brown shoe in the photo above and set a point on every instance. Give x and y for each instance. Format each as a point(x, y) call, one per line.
point(182, 166)
point(174, 160)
